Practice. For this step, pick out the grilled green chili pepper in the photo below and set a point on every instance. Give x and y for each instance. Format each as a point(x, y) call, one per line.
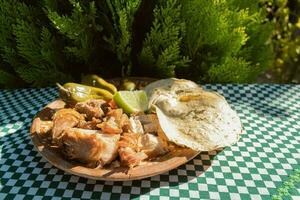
point(74, 92)
point(96, 81)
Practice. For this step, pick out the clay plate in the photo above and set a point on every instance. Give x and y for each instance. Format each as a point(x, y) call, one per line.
point(151, 168)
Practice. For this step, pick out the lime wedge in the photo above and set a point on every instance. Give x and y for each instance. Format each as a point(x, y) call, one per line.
point(131, 101)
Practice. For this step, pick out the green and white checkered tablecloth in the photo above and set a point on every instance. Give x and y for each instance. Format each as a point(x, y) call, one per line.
point(264, 164)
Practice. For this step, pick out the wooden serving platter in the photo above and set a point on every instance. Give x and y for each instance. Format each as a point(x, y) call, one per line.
point(42, 144)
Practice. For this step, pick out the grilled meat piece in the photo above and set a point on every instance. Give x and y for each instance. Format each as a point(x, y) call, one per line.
point(149, 122)
point(129, 150)
point(152, 145)
point(136, 126)
point(115, 113)
point(91, 108)
point(131, 158)
point(63, 119)
point(92, 125)
point(90, 146)
point(41, 127)
point(135, 147)
point(146, 118)
point(110, 126)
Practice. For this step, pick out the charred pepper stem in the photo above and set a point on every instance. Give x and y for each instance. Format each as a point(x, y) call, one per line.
point(96, 81)
point(74, 92)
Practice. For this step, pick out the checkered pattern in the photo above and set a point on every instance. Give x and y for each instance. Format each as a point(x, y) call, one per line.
point(264, 158)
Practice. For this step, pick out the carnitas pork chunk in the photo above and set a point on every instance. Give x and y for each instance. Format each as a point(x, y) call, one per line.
point(149, 122)
point(136, 147)
point(91, 108)
point(92, 147)
point(41, 127)
point(62, 120)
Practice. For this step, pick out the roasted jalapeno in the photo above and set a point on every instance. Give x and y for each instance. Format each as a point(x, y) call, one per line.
point(74, 92)
point(96, 81)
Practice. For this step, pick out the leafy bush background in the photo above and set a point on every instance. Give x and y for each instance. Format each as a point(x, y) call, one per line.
point(285, 15)
point(49, 41)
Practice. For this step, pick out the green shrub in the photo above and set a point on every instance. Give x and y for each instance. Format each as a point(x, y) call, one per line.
point(161, 51)
point(226, 40)
point(28, 50)
point(285, 15)
point(43, 42)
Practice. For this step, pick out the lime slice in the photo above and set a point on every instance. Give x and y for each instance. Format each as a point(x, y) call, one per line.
point(131, 101)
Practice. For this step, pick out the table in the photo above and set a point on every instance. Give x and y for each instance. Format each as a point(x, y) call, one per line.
point(264, 164)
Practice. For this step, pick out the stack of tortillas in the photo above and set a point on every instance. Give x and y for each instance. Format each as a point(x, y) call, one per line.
point(192, 117)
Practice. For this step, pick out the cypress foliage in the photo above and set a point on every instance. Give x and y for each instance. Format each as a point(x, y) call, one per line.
point(122, 13)
point(258, 50)
point(49, 41)
point(223, 39)
point(79, 27)
point(91, 29)
point(161, 47)
point(27, 46)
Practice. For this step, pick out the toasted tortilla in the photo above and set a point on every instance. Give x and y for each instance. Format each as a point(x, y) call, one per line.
point(192, 117)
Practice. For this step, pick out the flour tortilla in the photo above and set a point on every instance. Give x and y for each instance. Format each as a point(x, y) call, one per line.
point(192, 117)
